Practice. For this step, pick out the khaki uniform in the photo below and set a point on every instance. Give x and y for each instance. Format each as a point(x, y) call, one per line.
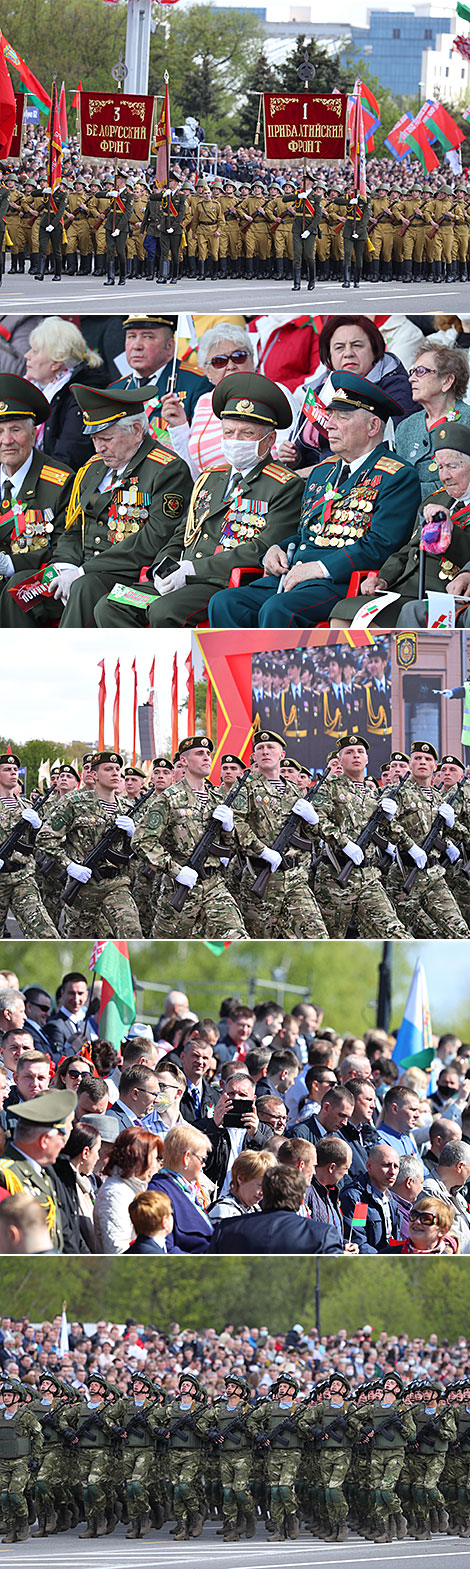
point(77, 225)
point(208, 222)
point(256, 238)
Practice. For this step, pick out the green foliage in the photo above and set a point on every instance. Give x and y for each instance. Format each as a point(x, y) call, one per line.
point(32, 753)
point(263, 79)
point(330, 71)
point(209, 55)
point(78, 39)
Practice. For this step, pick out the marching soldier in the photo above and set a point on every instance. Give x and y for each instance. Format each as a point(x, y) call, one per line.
point(76, 826)
point(230, 246)
point(185, 1418)
point(77, 230)
point(226, 1429)
point(345, 804)
point(274, 1426)
point(262, 807)
point(436, 1428)
point(19, 891)
point(51, 230)
point(280, 210)
point(207, 222)
point(21, 1445)
point(97, 207)
point(173, 207)
point(392, 1428)
point(138, 1420)
point(120, 209)
point(328, 1420)
point(136, 255)
point(305, 227)
point(354, 237)
point(430, 909)
point(254, 225)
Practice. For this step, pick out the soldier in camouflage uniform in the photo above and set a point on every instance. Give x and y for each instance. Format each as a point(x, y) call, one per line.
point(289, 908)
point(451, 774)
point(357, 1486)
point(329, 1422)
point(225, 1428)
point(20, 1450)
point(52, 1495)
point(435, 1429)
point(274, 1426)
point(93, 1454)
point(430, 909)
point(146, 882)
point(49, 876)
point(104, 908)
point(455, 1477)
point(392, 1427)
point(172, 828)
point(186, 1419)
point(19, 891)
point(345, 804)
point(137, 1421)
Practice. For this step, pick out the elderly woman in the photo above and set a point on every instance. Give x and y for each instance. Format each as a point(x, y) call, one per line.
point(223, 350)
point(439, 381)
point(58, 355)
point(131, 1164)
point(185, 1152)
point(245, 1192)
point(347, 343)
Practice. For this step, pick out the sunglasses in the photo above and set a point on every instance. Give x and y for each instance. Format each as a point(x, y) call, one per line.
point(74, 1073)
point(238, 357)
point(423, 1219)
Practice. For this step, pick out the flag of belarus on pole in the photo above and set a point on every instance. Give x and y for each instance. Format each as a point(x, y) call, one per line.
point(414, 1039)
point(117, 1009)
point(64, 1333)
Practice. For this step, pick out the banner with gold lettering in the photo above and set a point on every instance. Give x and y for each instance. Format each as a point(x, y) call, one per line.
point(116, 126)
point(299, 126)
point(16, 146)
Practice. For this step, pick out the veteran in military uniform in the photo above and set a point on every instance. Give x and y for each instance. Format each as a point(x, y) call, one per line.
point(124, 505)
point(289, 908)
point(344, 805)
point(75, 827)
point(354, 506)
point(35, 491)
point(42, 1127)
point(19, 891)
point(234, 514)
point(429, 908)
point(21, 1445)
point(150, 345)
point(172, 827)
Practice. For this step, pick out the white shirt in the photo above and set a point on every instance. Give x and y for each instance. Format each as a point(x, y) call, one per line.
point(106, 480)
point(16, 479)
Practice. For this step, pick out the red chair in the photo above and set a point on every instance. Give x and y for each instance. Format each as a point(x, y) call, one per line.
point(353, 590)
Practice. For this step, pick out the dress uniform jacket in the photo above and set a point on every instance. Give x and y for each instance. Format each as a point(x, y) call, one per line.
point(17, 1175)
point(46, 489)
point(401, 571)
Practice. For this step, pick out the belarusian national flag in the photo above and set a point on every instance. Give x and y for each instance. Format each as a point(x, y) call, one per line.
point(418, 141)
point(218, 947)
point(315, 411)
point(110, 959)
point(359, 1217)
point(444, 127)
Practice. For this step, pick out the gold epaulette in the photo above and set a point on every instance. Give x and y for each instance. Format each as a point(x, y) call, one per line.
point(389, 465)
point(55, 476)
point(276, 472)
point(161, 455)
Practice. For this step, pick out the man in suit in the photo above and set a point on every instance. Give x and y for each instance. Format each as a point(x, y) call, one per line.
point(355, 505)
point(38, 1005)
point(199, 1096)
point(124, 505)
point(235, 513)
point(150, 347)
point(138, 1091)
point(277, 1227)
point(228, 1142)
point(372, 1188)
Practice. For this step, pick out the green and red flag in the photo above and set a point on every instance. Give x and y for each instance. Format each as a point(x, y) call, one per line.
point(27, 76)
point(55, 142)
point(110, 960)
point(418, 141)
point(7, 108)
point(218, 947)
point(315, 411)
point(359, 1217)
point(441, 124)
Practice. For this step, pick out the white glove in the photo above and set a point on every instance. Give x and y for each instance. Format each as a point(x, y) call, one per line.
point(452, 852)
point(187, 876)
point(49, 228)
point(391, 850)
point(418, 855)
point(6, 566)
point(447, 812)
point(115, 234)
point(223, 814)
point(353, 852)
point(272, 857)
point(31, 817)
point(177, 579)
point(447, 691)
point(2, 863)
point(388, 806)
point(81, 874)
point(126, 824)
point(306, 811)
point(65, 577)
point(305, 234)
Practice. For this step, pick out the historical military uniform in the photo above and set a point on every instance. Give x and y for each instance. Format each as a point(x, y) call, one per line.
point(411, 232)
point(232, 518)
point(230, 244)
point(280, 210)
point(208, 221)
point(355, 237)
point(305, 226)
point(288, 908)
point(104, 907)
point(173, 207)
point(120, 209)
point(274, 1426)
point(20, 1448)
point(32, 518)
point(78, 230)
point(345, 806)
point(97, 207)
point(255, 230)
point(382, 233)
point(429, 908)
point(347, 524)
point(15, 222)
point(51, 231)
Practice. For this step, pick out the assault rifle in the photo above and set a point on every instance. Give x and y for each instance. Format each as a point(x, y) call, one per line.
point(206, 844)
point(369, 833)
point(288, 837)
point(14, 842)
point(431, 842)
point(103, 852)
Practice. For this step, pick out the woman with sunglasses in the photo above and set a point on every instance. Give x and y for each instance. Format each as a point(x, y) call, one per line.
point(439, 381)
point(223, 350)
point(430, 1220)
point(70, 1072)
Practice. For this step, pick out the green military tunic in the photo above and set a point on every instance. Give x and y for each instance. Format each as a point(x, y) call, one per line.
point(288, 908)
point(392, 1428)
point(173, 826)
point(344, 807)
point(18, 1175)
point(103, 908)
point(226, 1431)
point(33, 536)
point(435, 1430)
point(19, 891)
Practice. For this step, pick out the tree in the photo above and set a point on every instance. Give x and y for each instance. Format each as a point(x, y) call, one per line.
point(262, 79)
point(81, 38)
point(330, 70)
point(207, 53)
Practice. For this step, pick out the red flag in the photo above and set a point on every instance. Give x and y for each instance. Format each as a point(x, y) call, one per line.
point(116, 706)
point(417, 139)
point(9, 749)
point(27, 76)
point(134, 719)
point(174, 707)
point(75, 96)
point(162, 140)
point(63, 115)
point(55, 142)
point(358, 145)
point(7, 108)
point(101, 703)
point(191, 698)
point(208, 705)
point(152, 683)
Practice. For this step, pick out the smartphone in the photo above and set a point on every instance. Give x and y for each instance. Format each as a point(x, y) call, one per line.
point(166, 566)
point(238, 1109)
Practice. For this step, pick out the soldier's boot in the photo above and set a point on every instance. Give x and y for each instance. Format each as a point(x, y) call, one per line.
point(57, 275)
point(164, 270)
point(223, 266)
point(133, 1532)
point(230, 1533)
point(192, 266)
point(438, 272)
point(51, 1520)
point(31, 1510)
point(138, 268)
point(463, 278)
point(23, 1534)
point(406, 272)
point(381, 1533)
point(342, 1532)
point(400, 1523)
point(64, 1522)
point(214, 269)
point(145, 1525)
point(279, 267)
point(71, 262)
point(250, 1525)
point(39, 275)
point(442, 1520)
point(149, 262)
point(10, 1535)
point(249, 267)
point(392, 1528)
point(90, 1531)
point(434, 1519)
point(122, 273)
point(293, 1527)
point(311, 277)
point(110, 279)
point(41, 1530)
point(375, 266)
point(357, 278)
point(181, 1534)
point(13, 263)
point(277, 1535)
point(346, 276)
point(195, 1523)
point(101, 1525)
point(33, 262)
point(296, 284)
point(201, 272)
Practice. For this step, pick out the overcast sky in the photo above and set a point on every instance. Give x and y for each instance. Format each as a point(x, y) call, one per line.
point(49, 686)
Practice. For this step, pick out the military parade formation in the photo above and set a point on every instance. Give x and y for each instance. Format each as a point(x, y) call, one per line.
point(121, 226)
point(383, 1462)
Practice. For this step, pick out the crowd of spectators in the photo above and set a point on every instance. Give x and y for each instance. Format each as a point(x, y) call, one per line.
point(258, 1132)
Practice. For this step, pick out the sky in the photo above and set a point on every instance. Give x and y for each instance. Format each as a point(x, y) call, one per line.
point(50, 686)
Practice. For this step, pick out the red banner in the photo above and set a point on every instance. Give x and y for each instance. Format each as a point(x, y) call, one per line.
point(16, 143)
point(300, 126)
point(101, 704)
point(174, 707)
point(113, 125)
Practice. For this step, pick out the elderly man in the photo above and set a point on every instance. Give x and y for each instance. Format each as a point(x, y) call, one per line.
point(400, 572)
point(42, 1129)
point(34, 491)
point(150, 347)
point(124, 506)
point(356, 504)
point(235, 513)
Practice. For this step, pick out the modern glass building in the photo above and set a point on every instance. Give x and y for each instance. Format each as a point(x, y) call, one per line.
point(392, 46)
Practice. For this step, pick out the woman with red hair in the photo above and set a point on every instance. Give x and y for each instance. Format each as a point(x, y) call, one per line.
point(134, 1159)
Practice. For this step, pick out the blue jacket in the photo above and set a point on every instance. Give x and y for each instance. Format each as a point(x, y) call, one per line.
point(192, 1228)
point(273, 1231)
point(381, 498)
point(188, 385)
point(359, 1190)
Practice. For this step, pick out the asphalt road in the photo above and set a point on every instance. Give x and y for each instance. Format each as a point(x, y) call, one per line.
point(75, 295)
point(159, 1552)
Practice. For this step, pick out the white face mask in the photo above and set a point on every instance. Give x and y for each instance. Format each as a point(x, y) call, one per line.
point(242, 455)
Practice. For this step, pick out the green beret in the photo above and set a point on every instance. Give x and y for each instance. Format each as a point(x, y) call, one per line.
point(196, 741)
point(399, 757)
point(231, 757)
point(163, 762)
point(49, 1110)
point(268, 735)
point(452, 435)
point(291, 762)
point(132, 771)
point(68, 768)
point(253, 398)
point(10, 757)
point(457, 761)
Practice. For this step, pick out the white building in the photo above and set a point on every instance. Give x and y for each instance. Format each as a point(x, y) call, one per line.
point(445, 73)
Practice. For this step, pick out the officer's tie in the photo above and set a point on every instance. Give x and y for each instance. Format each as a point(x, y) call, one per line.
point(7, 495)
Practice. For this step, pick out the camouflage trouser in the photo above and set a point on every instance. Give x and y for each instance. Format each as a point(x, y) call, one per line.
point(208, 910)
point(455, 1483)
point(14, 1478)
point(385, 1468)
point(334, 1465)
point(235, 1473)
point(425, 1493)
point(53, 1479)
point(357, 1486)
point(289, 908)
point(140, 1467)
point(283, 1465)
point(460, 889)
point(103, 909)
point(363, 900)
point(430, 909)
point(97, 1476)
point(51, 889)
point(19, 892)
point(184, 1475)
point(145, 892)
